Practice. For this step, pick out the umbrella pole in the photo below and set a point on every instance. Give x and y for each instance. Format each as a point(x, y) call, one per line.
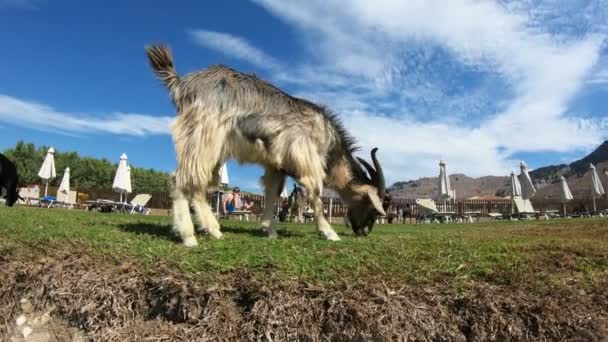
point(594, 207)
point(217, 204)
point(46, 189)
point(564, 203)
point(331, 202)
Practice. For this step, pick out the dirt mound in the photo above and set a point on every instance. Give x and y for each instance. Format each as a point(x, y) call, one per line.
point(108, 302)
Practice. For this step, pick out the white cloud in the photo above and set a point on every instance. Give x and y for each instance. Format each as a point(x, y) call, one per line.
point(234, 47)
point(34, 115)
point(405, 101)
point(601, 77)
point(412, 149)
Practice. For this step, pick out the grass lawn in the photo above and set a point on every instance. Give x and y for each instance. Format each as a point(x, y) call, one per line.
point(538, 255)
point(113, 277)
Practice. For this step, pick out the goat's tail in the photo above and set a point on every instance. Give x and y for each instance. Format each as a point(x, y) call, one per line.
point(161, 62)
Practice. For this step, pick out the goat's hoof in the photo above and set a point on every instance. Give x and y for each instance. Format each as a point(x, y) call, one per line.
point(271, 233)
point(332, 236)
point(190, 242)
point(216, 234)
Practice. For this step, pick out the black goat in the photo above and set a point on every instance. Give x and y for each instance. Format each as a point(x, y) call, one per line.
point(8, 180)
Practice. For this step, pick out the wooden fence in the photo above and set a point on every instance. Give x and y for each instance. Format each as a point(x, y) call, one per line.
point(162, 200)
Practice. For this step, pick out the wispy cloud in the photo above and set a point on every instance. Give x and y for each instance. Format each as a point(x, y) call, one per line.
point(28, 114)
point(477, 83)
point(234, 47)
point(19, 4)
point(600, 77)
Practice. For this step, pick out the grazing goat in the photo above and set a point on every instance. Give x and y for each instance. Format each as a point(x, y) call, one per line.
point(225, 114)
point(8, 180)
point(295, 205)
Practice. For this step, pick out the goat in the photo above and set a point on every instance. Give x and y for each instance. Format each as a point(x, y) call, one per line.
point(226, 114)
point(9, 179)
point(294, 206)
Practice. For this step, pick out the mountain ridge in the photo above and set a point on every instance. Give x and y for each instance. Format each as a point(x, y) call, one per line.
point(546, 180)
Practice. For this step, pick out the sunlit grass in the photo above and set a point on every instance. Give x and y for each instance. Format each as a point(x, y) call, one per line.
point(534, 253)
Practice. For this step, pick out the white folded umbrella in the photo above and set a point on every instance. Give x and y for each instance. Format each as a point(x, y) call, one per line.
point(515, 185)
point(515, 189)
point(445, 192)
point(47, 170)
point(284, 193)
point(224, 180)
point(597, 190)
point(64, 187)
point(122, 179)
point(566, 194)
point(224, 175)
point(527, 187)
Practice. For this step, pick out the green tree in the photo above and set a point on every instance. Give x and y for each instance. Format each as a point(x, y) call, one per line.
point(85, 172)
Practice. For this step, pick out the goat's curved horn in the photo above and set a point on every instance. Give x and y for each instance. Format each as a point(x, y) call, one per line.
point(379, 179)
point(369, 168)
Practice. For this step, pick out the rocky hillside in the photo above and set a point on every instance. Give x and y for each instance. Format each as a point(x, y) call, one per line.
point(545, 178)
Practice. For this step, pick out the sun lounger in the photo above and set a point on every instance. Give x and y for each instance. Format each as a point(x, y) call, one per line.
point(66, 200)
point(523, 208)
point(30, 196)
point(138, 204)
point(430, 211)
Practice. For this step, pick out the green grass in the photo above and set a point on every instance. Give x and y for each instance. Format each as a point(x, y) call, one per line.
point(540, 255)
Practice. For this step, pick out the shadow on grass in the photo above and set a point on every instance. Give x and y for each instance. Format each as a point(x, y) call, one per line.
point(159, 230)
point(257, 232)
point(165, 231)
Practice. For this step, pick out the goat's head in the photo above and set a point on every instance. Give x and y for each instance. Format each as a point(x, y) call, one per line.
point(365, 203)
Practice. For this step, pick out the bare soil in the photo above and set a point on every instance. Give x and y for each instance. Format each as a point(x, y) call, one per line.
point(76, 298)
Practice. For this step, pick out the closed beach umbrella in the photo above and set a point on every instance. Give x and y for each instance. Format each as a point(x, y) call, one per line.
point(515, 189)
point(122, 179)
point(445, 192)
point(47, 170)
point(65, 182)
point(527, 188)
point(566, 194)
point(515, 185)
point(224, 175)
point(597, 190)
point(223, 181)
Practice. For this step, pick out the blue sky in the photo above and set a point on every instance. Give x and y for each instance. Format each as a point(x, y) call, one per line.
point(480, 84)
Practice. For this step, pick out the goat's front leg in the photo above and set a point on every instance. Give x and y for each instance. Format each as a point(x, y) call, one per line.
point(273, 182)
point(314, 190)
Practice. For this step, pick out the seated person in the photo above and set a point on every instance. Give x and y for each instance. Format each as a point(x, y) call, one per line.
point(233, 202)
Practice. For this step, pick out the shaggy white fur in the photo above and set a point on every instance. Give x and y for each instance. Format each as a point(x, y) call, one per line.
point(224, 114)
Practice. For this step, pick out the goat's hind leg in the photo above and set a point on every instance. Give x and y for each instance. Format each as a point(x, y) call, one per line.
point(205, 216)
point(273, 181)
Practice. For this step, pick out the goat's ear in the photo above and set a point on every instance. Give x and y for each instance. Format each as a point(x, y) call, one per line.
point(377, 203)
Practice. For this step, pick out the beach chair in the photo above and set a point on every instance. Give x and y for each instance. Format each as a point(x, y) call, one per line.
point(30, 196)
point(138, 204)
point(429, 208)
point(523, 208)
point(66, 200)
